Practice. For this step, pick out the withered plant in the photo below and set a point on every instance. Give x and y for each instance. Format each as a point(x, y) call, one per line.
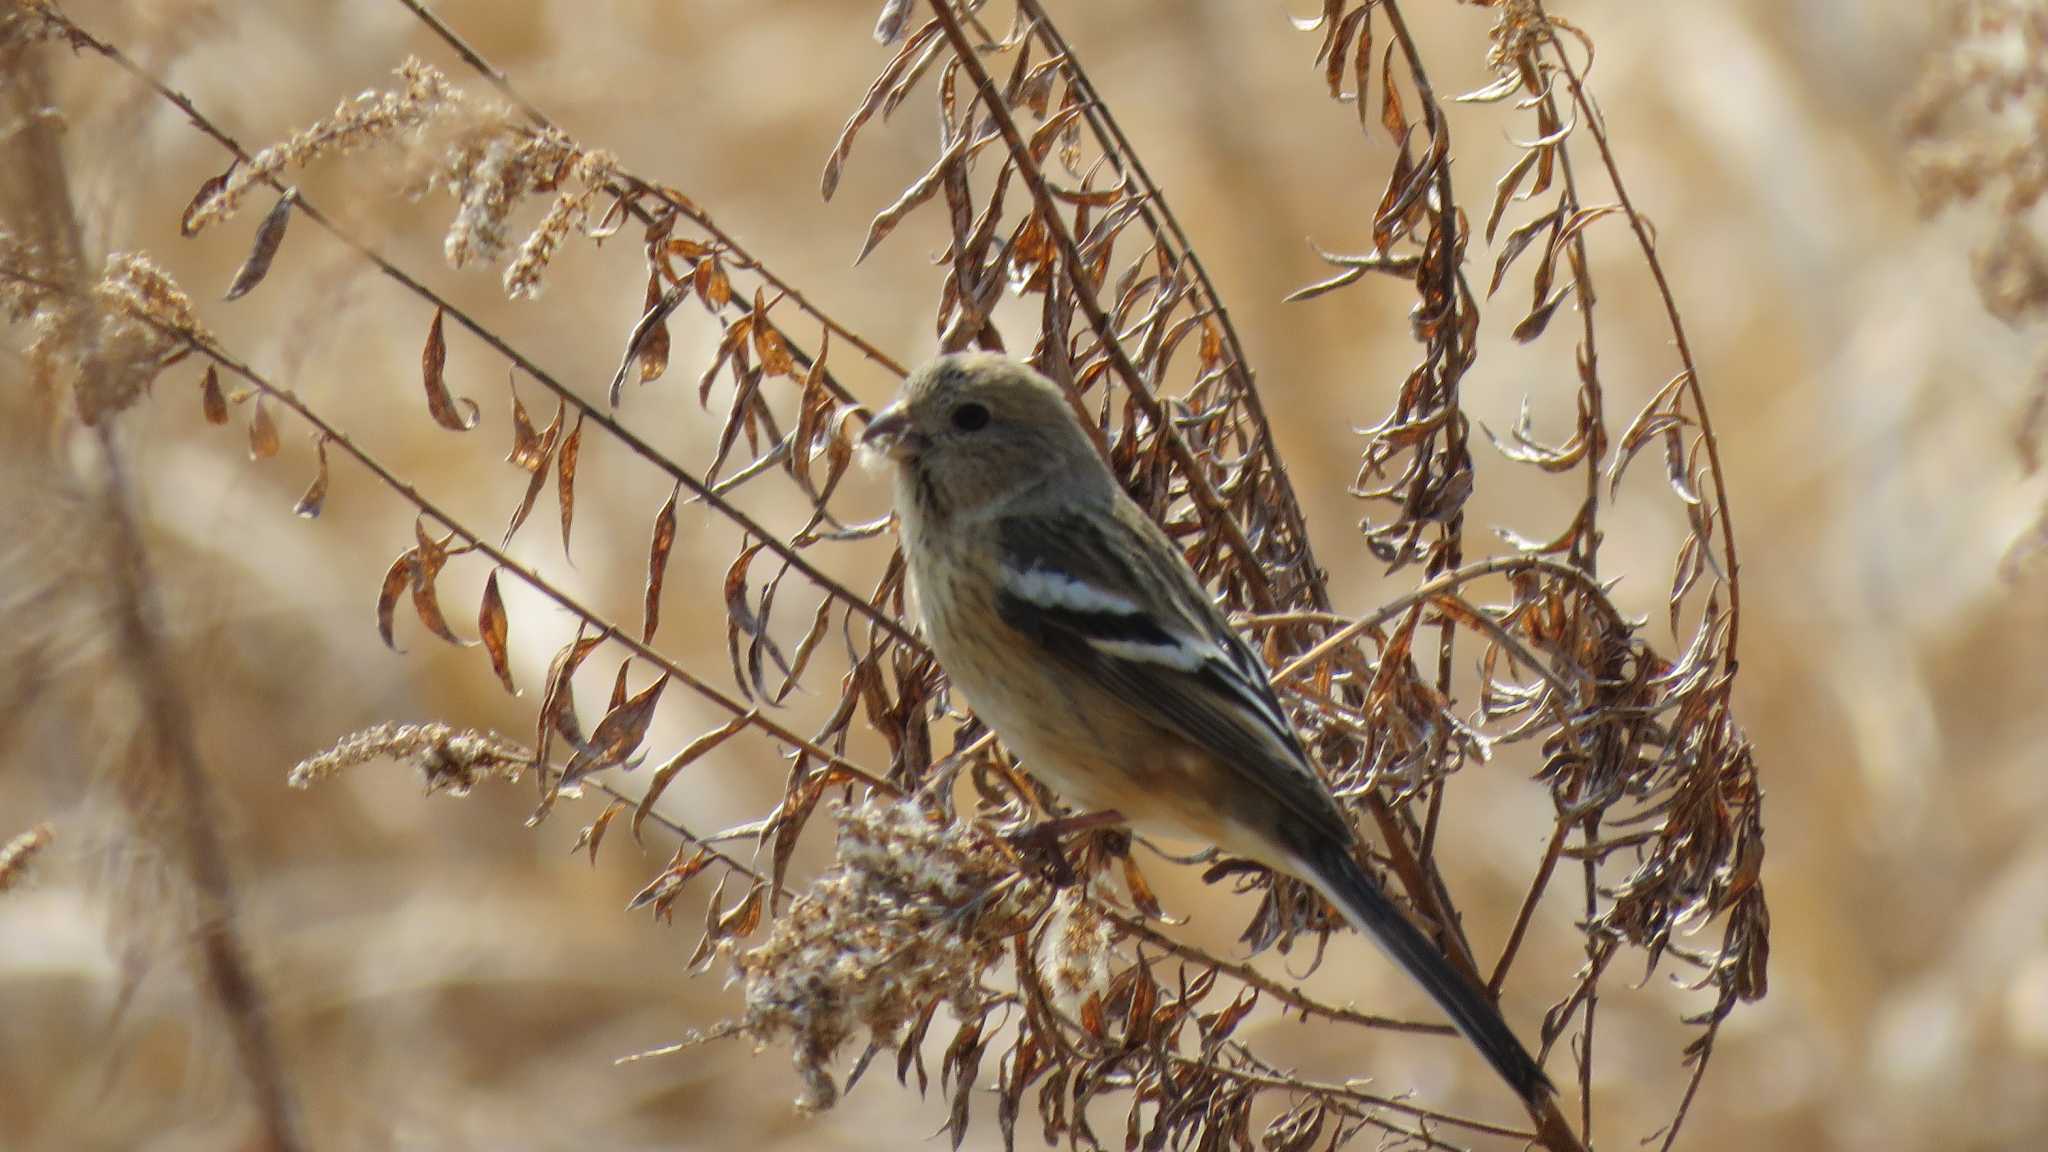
point(1976, 129)
point(1056, 986)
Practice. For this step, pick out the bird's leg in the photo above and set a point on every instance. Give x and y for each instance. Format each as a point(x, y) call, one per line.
point(1040, 845)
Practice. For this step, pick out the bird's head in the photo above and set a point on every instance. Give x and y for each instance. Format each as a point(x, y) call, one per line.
point(972, 428)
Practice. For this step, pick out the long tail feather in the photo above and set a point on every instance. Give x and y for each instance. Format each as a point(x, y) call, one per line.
point(1340, 878)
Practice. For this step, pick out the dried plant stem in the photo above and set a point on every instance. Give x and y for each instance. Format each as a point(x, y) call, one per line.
point(1596, 124)
point(1256, 1072)
point(1158, 213)
point(474, 541)
point(1437, 586)
point(1273, 989)
point(1409, 849)
point(1586, 555)
point(191, 810)
point(682, 205)
point(1373, 1100)
point(1199, 489)
point(223, 958)
point(595, 414)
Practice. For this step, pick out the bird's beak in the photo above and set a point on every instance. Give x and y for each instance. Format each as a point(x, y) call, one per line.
point(889, 434)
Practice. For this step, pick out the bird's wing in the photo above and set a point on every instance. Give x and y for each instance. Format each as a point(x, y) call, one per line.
point(1112, 600)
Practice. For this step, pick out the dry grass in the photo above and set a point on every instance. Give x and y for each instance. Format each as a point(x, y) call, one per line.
point(1522, 675)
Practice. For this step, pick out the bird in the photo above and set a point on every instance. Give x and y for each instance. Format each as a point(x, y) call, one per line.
point(1079, 635)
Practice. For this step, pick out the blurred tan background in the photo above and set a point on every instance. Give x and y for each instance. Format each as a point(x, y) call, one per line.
point(446, 979)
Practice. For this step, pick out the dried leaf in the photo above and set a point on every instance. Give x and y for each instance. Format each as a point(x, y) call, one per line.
point(269, 235)
point(769, 345)
point(396, 580)
point(1517, 242)
point(619, 685)
point(745, 917)
point(211, 400)
point(592, 834)
point(661, 891)
point(263, 442)
point(617, 735)
point(1141, 891)
point(657, 563)
point(713, 286)
point(650, 343)
point(430, 555)
point(310, 504)
point(889, 27)
point(433, 362)
point(691, 753)
point(201, 199)
point(558, 701)
point(1391, 116)
point(527, 453)
point(1532, 325)
point(492, 625)
point(925, 187)
point(891, 24)
point(1336, 49)
point(531, 453)
point(565, 473)
point(1504, 189)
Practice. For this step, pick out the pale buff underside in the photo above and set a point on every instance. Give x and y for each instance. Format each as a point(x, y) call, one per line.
point(1099, 755)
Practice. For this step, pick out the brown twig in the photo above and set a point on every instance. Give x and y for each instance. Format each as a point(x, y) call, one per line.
point(595, 414)
point(1595, 123)
point(1199, 488)
point(476, 542)
point(682, 205)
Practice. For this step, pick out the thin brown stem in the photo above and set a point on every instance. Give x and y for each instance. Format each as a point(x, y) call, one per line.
point(1158, 214)
point(498, 344)
point(167, 739)
point(476, 542)
point(681, 204)
point(223, 957)
point(1271, 988)
point(1214, 512)
point(1594, 123)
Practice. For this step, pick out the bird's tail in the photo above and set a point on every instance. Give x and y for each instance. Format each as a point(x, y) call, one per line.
point(1338, 875)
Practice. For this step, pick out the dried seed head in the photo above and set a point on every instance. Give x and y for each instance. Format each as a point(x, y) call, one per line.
point(1080, 943)
point(368, 119)
point(142, 316)
point(1518, 30)
point(449, 760)
point(570, 211)
point(909, 915)
point(493, 163)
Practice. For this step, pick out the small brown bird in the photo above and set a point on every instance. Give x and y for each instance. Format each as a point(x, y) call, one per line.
point(1081, 636)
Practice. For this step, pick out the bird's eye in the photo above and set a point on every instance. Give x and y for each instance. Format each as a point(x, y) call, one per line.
point(970, 417)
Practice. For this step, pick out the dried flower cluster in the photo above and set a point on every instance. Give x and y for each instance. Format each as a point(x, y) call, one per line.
point(911, 916)
point(146, 322)
point(367, 119)
point(482, 153)
point(448, 759)
point(135, 322)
